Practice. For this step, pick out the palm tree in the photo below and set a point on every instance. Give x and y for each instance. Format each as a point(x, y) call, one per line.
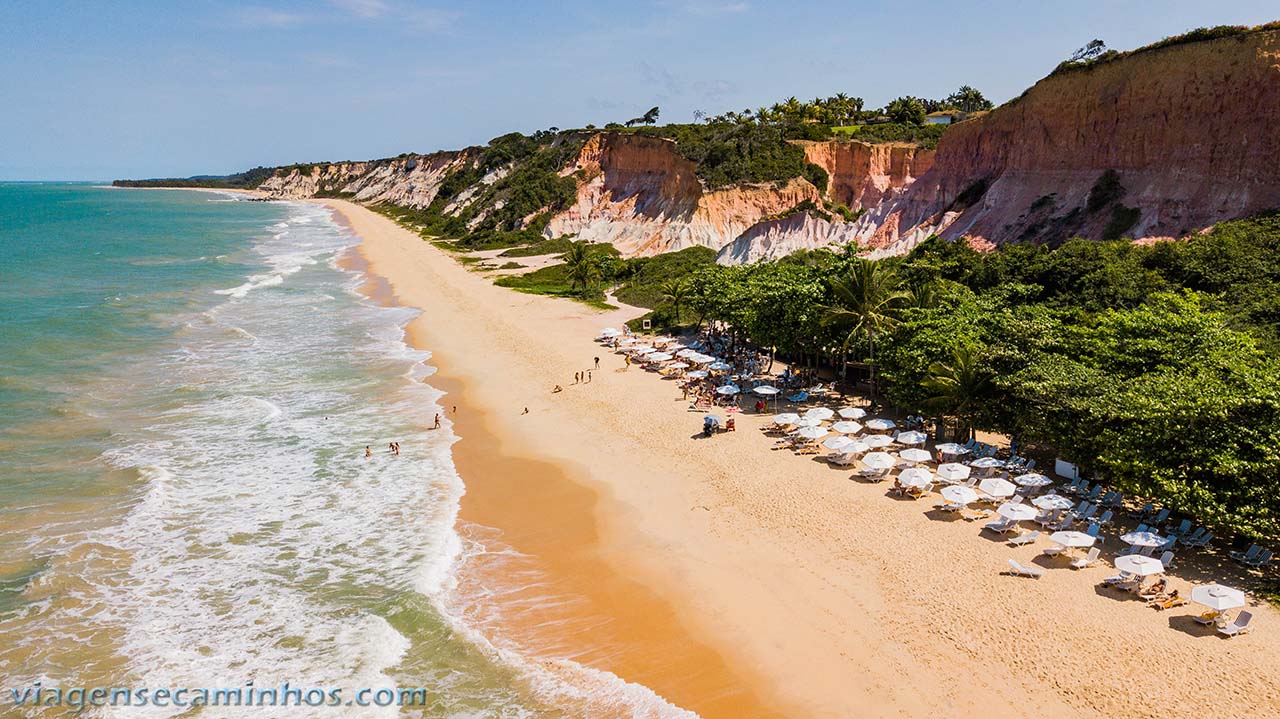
point(583, 266)
point(868, 301)
point(959, 387)
point(675, 292)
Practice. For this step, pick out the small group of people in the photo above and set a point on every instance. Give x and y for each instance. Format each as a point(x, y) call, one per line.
point(392, 447)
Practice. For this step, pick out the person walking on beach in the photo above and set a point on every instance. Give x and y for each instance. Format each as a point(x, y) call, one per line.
point(576, 377)
point(588, 376)
point(597, 363)
point(526, 411)
point(437, 425)
point(627, 359)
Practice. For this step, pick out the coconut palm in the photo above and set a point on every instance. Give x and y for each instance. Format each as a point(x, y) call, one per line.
point(959, 388)
point(583, 266)
point(868, 300)
point(675, 292)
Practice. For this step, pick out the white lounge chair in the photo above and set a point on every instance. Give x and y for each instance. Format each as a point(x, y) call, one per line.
point(1017, 568)
point(1239, 626)
point(1001, 526)
point(1053, 550)
point(1086, 560)
point(1024, 539)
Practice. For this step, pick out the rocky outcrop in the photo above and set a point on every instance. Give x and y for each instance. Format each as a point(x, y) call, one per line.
point(864, 175)
point(772, 239)
point(408, 180)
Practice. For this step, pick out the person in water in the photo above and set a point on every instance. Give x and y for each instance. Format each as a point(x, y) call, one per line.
point(437, 425)
point(368, 452)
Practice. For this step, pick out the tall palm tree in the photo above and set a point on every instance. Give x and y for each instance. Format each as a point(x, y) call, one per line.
point(959, 387)
point(868, 301)
point(675, 292)
point(583, 266)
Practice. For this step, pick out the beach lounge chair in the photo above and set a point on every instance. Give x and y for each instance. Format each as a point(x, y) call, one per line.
point(1031, 464)
point(948, 506)
point(1018, 569)
point(1191, 539)
point(1246, 557)
point(1143, 513)
point(1067, 522)
point(1087, 513)
point(1093, 495)
point(843, 459)
point(1095, 531)
point(1263, 557)
point(799, 397)
point(1162, 603)
point(1048, 517)
point(1086, 560)
point(1167, 559)
point(1053, 550)
point(975, 516)
point(1025, 539)
point(1179, 530)
point(1105, 519)
point(1001, 526)
point(1160, 517)
point(873, 475)
point(1239, 626)
point(1076, 486)
point(1198, 542)
point(1208, 618)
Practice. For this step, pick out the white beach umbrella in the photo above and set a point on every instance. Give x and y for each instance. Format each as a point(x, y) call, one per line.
point(959, 494)
point(701, 359)
point(1032, 479)
point(1053, 501)
point(912, 438)
point(1139, 565)
point(1072, 538)
point(997, 487)
point(766, 390)
point(718, 366)
point(727, 389)
point(986, 463)
point(678, 365)
point(879, 460)
point(1143, 539)
point(953, 472)
point(847, 427)
point(697, 374)
point(852, 413)
point(820, 413)
point(881, 425)
point(641, 349)
point(609, 332)
point(839, 443)
point(1217, 597)
point(952, 448)
point(877, 440)
point(785, 418)
point(658, 357)
point(915, 454)
point(1016, 511)
point(858, 447)
point(810, 432)
point(916, 477)
point(686, 352)
point(809, 422)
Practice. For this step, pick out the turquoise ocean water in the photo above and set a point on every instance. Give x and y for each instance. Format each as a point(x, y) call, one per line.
point(187, 385)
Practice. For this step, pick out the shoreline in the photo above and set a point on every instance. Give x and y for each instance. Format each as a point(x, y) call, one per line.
point(817, 596)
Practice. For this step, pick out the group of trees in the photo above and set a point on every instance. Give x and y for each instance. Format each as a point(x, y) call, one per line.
point(842, 109)
point(1129, 360)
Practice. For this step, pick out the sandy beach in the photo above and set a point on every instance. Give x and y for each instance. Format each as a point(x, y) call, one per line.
point(737, 581)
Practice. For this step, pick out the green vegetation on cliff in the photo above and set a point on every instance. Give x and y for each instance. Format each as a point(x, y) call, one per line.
point(246, 180)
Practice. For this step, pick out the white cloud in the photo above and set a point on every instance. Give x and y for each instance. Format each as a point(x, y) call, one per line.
point(368, 9)
point(265, 17)
point(707, 7)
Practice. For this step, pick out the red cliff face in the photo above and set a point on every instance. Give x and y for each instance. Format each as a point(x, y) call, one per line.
point(1190, 131)
point(864, 175)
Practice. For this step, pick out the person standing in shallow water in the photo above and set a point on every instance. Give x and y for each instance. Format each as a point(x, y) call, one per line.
point(437, 425)
point(367, 452)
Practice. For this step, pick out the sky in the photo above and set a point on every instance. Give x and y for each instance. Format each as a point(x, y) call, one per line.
point(104, 89)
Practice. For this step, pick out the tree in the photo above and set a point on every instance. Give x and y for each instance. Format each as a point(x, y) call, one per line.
point(650, 117)
point(959, 388)
point(868, 300)
point(1089, 52)
point(968, 99)
point(906, 111)
point(675, 292)
point(583, 266)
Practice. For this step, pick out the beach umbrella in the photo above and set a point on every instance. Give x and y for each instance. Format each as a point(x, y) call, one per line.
point(879, 460)
point(1032, 479)
point(912, 438)
point(952, 448)
point(809, 422)
point(847, 427)
point(658, 357)
point(820, 413)
point(711, 419)
point(1143, 539)
point(686, 352)
point(852, 413)
point(697, 374)
point(609, 332)
point(858, 447)
point(1053, 501)
point(1217, 597)
point(1139, 565)
point(719, 366)
point(877, 440)
point(916, 477)
point(881, 425)
point(727, 389)
point(766, 390)
point(810, 432)
point(678, 365)
point(839, 443)
point(700, 359)
point(1016, 511)
point(915, 454)
point(997, 487)
point(953, 472)
point(784, 418)
point(986, 463)
point(959, 494)
point(1070, 538)
point(641, 349)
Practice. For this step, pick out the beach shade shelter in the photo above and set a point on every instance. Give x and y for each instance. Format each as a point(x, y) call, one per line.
point(1143, 539)
point(839, 443)
point(1053, 502)
point(881, 425)
point(808, 422)
point(1139, 565)
point(916, 477)
point(912, 438)
point(821, 413)
point(641, 349)
point(766, 390)
point(959, 494)
point(658, 357)
point(686, 352)
point(678, 365)
point(728, 389)
point(1217, 597)
point(852, 413)
point(1017, 512)
point(915, 455)
point(785, 418)
point(698, 374)
point(877, 440)
point(1032, 479)
point(986, 463)
point(879, 460)
point(952, 472)
point(997, 487)
point(952, 448)
point(847, 427)
point(811, 432)
point(1071, 538)
point(719, 366)
point(609, 332)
